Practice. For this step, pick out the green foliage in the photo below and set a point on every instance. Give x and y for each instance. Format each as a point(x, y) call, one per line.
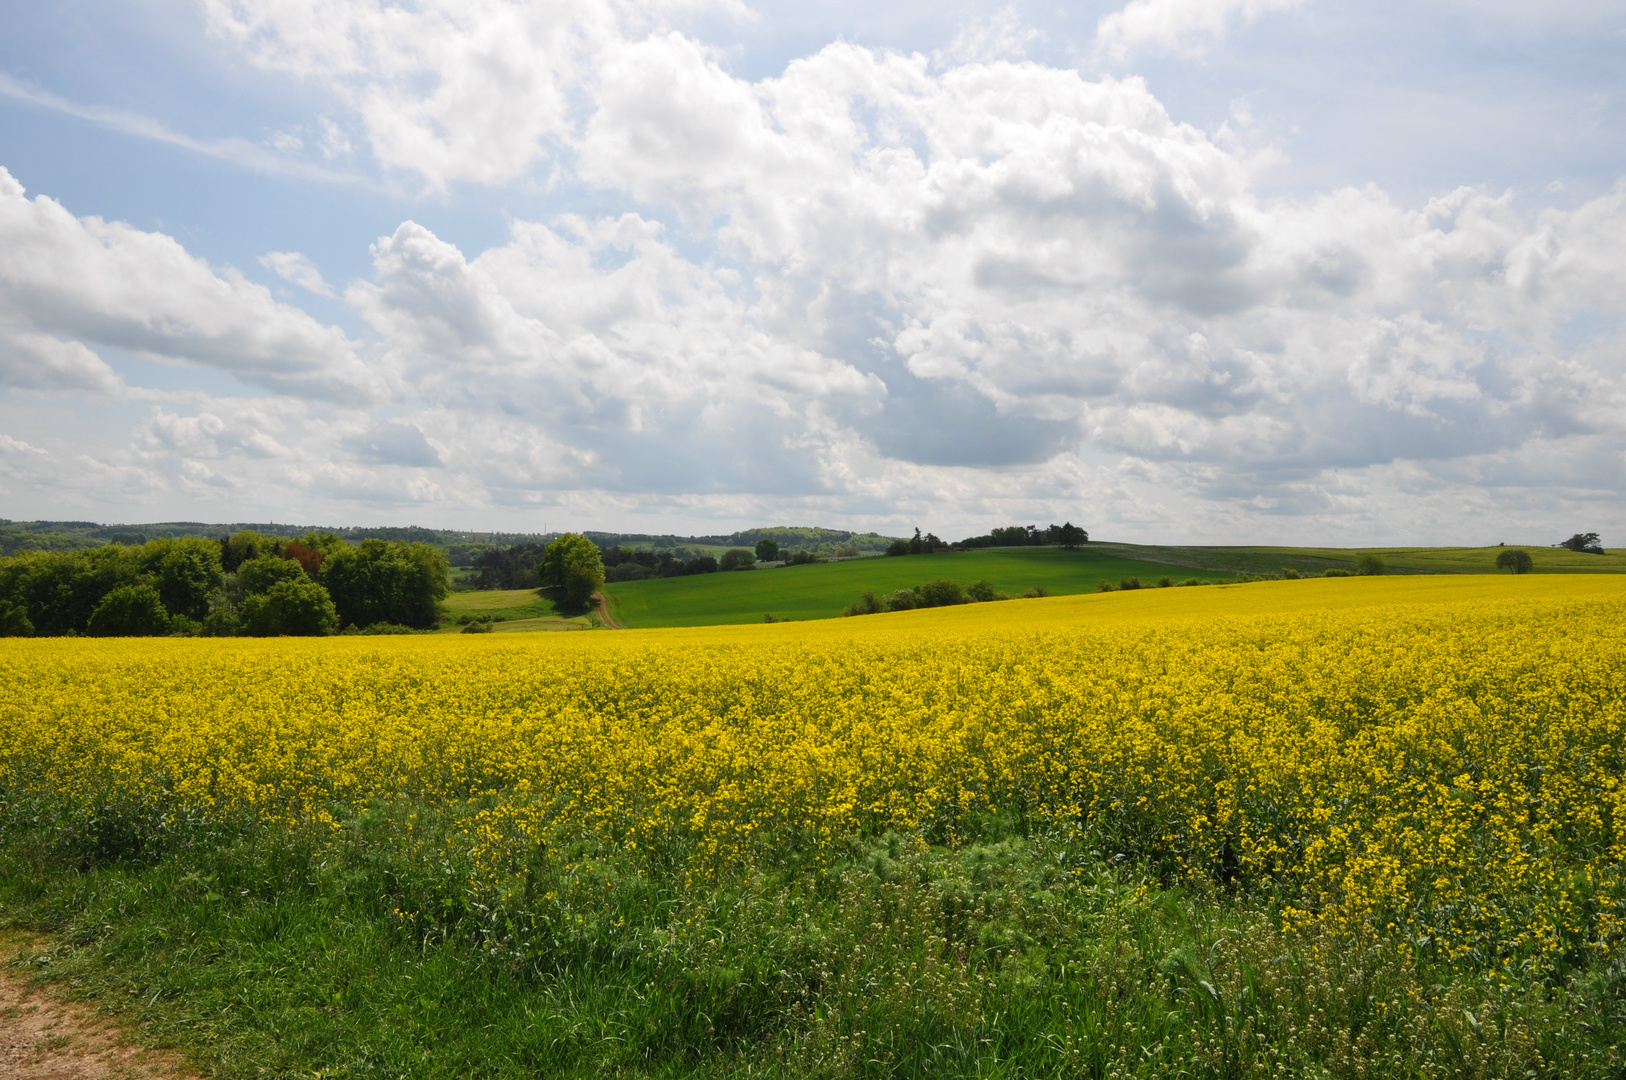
point(258, 575)
point(185, 570)
point(298, 607)
point(1165, 582)
point(1514, 561)
point(902, 600)
point(767, 549)
point(130, 611)
point(245, 545)
point(1333, 571)
point(982, 591)
point(573, 563)
point(14, 620)
point(1104, 586)
point(1369, 565)
point(386, 581)
point(222, 619)
point(941, 592)
point(868, 604)
point(1587, 543)
point(59, 590)
point(1129, 583)
point(360, 950)
point(737, 559)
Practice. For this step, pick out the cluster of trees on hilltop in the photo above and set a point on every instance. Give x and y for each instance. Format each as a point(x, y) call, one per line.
point(1589, 543)
point(248, 583)
point(1066, 535)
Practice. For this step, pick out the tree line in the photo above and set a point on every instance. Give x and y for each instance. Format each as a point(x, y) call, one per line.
point(246, 584)
point(1066, 535)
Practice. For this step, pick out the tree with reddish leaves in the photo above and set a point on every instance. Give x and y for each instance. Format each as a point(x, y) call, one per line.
point(307, 557)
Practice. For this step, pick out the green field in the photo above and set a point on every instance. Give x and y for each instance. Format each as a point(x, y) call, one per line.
point(511, 610)
point(823, 590)
point(1416, 560)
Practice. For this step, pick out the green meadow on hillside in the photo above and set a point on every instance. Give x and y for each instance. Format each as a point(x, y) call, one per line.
point(508, 610)
point(823, 590)
point(1416, 560)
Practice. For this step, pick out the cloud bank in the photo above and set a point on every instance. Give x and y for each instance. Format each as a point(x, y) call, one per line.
point(877, 285)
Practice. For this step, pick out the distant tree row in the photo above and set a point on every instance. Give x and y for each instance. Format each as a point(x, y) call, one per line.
point(522, 566)
point(626, 564)
point(1066, 535)
point(248, 583)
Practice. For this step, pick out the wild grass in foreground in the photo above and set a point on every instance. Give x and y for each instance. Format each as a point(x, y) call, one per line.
point(1338, 828)
point(339, 954)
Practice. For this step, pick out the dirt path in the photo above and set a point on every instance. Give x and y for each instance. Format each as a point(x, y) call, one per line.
point(42, 1038)
point(602, 606)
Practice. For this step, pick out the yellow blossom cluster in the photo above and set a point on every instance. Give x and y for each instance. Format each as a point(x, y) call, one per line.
point(1440, 758)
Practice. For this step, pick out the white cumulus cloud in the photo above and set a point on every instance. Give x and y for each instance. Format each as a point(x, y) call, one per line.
point(67, 283)
point(1183, 26)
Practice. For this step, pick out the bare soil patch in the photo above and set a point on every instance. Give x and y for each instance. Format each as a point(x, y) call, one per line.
point(43, 1037)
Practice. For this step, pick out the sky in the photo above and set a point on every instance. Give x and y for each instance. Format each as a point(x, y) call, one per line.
point(1187, 271)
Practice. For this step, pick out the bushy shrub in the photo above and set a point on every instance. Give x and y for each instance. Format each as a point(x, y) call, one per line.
point(1369, 565)
point(1036, 592)
point(1104, 586)
point(868, 604)
point(477, 628)
point(737, 559)
point(902, 600)
point(982, 591)
point(1129, 583)
point(1165, 582)
point(1290, 574)
point(290, 608)
point(14, 621)
point(941, 592)
point(1334, 572)
point(130, 611)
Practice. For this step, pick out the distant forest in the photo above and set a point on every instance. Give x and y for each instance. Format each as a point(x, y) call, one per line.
point(16, 536)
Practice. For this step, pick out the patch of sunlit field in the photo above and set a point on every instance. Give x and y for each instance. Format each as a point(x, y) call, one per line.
point(1433, 761)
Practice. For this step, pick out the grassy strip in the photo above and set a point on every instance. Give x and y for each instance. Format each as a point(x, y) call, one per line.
point(823, 590)
point(364, 952)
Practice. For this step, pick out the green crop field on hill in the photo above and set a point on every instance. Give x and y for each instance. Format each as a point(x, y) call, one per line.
point(1414, 560)
point(823, 590)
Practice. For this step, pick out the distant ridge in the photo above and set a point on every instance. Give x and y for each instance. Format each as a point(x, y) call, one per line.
point(18, 536)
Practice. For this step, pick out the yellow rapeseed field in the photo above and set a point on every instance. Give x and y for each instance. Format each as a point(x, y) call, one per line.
point(1435, 759)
